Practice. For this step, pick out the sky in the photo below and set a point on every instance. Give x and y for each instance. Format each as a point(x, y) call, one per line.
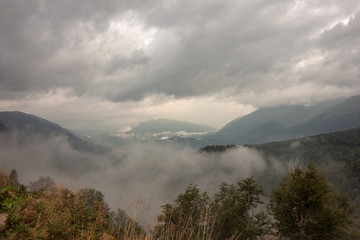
point(111, 64)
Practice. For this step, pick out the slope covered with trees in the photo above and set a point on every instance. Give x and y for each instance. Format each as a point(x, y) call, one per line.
point(336, 154)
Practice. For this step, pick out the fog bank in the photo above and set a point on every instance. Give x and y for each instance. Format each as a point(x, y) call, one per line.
point(151, 172)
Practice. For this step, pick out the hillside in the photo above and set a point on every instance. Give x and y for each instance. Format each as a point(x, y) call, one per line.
point(2, 128)
point(26, 126)
point(342, 146)
point(337, 154)
point(287, 122)
point(345, 115)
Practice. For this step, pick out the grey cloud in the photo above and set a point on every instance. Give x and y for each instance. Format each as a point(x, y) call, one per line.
point(118, 63)
point(36, 31)
point(341, 50)
point(199, 48)
point(343, 36)
point(251, 47)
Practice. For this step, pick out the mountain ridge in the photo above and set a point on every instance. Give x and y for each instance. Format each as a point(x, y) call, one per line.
point(28, 126)
point(289, 121)
point(165, 124)
point(261, 126)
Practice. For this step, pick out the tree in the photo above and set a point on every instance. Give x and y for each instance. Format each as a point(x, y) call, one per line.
point(43, 184)
point(189, 217)
point(121, 225)
point(13, 178)
point(305, 207)
point(92, 198)
point(235, 211)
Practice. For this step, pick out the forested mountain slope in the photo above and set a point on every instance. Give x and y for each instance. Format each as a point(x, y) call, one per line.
point(337, 154)
point(288, 122)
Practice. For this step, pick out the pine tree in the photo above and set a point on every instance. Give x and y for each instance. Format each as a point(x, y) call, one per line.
point(235, 207)
point(13, 178)
point(189, 217)
point(305, 207)
point(43, 184)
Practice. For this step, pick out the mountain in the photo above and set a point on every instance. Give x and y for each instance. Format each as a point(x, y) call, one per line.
point(27, 126)
point(286, 122)
point(345, 115)
point(337, 154)
point(164, 129)
point(2, 128)
point(163, 125)
point(264, 123)
point(340, 146)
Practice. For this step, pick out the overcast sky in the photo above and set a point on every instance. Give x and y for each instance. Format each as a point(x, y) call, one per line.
point(110, 64)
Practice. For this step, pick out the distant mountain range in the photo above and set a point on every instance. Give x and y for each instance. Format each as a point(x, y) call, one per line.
point(264, 125)
point(163, 125)
point(164, 129)
point(342, 116)
point(287, 122)
point(27, 126)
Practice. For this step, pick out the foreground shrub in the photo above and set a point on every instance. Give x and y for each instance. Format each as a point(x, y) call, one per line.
point(306, 207)
point(232, 214)
point(189, 217)
point(236, 211)
point(124, 227)
point(58, 215)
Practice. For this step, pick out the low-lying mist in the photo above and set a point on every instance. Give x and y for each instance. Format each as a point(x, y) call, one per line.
point(151, 172)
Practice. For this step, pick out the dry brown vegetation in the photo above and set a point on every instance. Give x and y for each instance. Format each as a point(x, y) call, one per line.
point(50, 212)
point(59, 213)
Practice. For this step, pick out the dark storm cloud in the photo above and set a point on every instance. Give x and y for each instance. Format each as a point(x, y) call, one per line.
point(38, 39)
point(31, 33)
point(195, 48)
point(249, 46)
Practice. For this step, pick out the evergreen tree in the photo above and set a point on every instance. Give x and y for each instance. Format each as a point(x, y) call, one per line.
point(305, 207)
point(189, 217)
point(43, 184)
point(92, 199)
point(235, 207)
point(13, 178)
point(123, 226)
